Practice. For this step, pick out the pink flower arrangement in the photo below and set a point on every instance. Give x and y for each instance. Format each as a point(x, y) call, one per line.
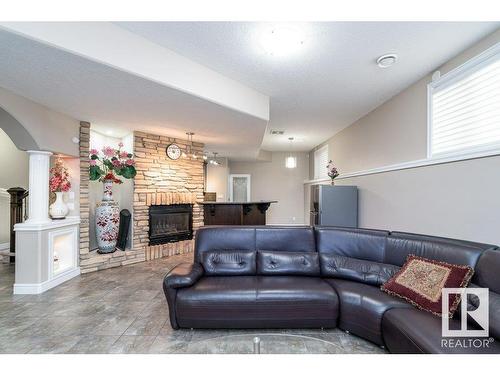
point(110, 163)
point(332, 170)
point(59, 177)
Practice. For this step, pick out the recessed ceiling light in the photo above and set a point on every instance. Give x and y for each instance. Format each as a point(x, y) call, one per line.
point(282, 41)
point(109, 132)
point(388, 60)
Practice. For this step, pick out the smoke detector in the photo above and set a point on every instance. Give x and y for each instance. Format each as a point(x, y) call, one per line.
point(388, 60)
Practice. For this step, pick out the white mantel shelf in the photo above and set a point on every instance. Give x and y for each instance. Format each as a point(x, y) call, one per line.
point(51, 224)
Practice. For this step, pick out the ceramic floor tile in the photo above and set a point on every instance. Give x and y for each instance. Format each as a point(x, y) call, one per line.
point(123, 310)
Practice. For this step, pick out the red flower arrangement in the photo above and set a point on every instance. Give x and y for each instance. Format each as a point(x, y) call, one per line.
point(110, 164)
point(59, 177)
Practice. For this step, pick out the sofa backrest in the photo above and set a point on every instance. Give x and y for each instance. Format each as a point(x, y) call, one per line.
point(487, 273)
point(400, 245)
point(365, 244)
point(296, 239)
point(223, 238)
point(224, 250)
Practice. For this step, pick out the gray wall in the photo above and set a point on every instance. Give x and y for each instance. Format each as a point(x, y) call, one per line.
point(272, 181)
point(456, 199)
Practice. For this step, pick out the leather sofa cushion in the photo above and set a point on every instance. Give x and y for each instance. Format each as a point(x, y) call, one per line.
point(363, 271)
point(400, 245)
point(285, 239)
point(223, 238)
point(488, 271)
point(364, 244)
point(362, 308)
point(413, 331)
point(229, 262)
point(287, 263)
point(257, 302)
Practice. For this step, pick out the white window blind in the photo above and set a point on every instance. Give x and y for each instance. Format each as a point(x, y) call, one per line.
point(320, 162)
point(464, 108)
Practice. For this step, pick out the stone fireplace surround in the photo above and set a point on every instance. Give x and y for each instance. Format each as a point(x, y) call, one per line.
point(159, 181)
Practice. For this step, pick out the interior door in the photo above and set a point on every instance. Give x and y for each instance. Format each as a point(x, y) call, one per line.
point(239, 187)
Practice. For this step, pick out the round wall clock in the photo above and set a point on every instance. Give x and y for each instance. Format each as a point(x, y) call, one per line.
point(173, 151)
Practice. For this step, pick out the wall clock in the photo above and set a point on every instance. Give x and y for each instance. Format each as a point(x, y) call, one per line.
point(173, 151)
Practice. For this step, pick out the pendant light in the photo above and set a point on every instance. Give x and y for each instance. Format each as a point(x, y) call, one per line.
point(189, 147)
point(290, 160)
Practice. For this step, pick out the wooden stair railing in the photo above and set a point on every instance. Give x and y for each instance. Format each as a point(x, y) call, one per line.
point(18, 213)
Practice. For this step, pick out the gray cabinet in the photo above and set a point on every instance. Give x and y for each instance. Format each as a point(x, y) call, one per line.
point(334, 205)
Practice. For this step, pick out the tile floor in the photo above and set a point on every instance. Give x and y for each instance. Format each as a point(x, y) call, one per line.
point(123, 310)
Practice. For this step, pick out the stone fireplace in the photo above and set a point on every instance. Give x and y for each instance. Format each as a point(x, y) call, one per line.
point(170, 223)
point(167, 197)
point(160, 182)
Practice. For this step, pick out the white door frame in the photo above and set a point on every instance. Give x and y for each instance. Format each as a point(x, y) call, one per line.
point(249, 184)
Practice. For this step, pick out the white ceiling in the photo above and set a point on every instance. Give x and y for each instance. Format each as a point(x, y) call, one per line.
point(334, 81)
point(115, 100)
point(314, 94)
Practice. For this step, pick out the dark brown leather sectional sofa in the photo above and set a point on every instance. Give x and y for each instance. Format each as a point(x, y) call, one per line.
point(253, 277)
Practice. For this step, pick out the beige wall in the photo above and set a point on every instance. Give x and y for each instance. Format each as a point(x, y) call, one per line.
point(455, 199)
point(217, 179)
point(272, 181)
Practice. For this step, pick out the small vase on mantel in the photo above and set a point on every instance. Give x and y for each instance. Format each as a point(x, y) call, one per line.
point(333, 182)
point(58, 210)
point(107, 218)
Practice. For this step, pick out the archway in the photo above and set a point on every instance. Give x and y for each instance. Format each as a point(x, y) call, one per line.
point(14, 141)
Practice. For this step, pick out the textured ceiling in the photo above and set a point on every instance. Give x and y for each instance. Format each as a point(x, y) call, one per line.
point(334, 80)
point(112, 99)
point(314, 94)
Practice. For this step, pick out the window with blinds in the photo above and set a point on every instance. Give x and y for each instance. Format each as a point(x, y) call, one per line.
point(320, 162)
point(464, 108)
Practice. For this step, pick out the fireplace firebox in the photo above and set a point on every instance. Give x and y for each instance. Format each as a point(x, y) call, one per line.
point(170, 223)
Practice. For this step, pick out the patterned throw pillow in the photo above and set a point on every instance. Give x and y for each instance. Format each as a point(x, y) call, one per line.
point(421, 280)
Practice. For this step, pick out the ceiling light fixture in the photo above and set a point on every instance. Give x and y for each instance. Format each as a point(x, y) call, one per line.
point(387, 60)
point(291, 160)
point(282, 41)
point(214, 160)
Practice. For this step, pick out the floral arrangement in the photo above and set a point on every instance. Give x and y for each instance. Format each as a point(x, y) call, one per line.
point(110, 163)
point(332, 170)
point(59, 177)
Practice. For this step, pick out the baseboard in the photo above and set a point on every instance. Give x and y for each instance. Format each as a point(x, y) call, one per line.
point(46, 285)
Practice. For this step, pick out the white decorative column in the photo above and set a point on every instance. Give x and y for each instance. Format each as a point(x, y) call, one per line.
point(39, 165)
point(46, 250)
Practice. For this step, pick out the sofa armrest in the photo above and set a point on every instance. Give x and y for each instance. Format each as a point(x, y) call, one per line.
point(183, 275)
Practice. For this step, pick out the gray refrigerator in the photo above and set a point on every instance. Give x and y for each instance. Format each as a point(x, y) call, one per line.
point(334, 205)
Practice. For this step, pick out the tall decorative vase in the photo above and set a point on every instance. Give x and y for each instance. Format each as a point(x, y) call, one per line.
point(107, 218)
point(58, 210)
